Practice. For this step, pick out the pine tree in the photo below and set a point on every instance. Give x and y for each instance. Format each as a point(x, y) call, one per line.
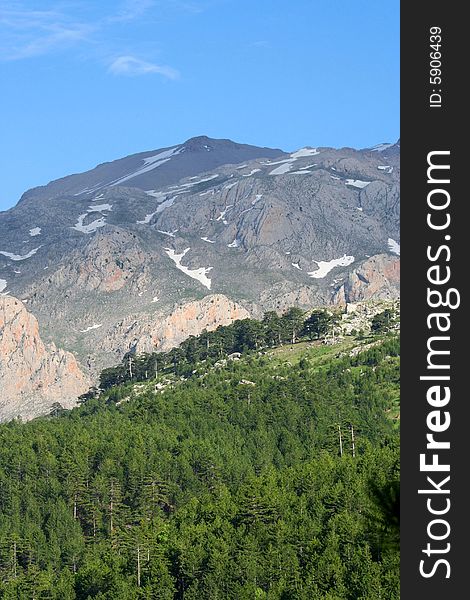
point(292, 322)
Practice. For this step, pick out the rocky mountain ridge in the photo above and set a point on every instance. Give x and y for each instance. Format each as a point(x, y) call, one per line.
point(133, 252)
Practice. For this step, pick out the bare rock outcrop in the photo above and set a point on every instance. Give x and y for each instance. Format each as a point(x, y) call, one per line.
point(378, 278)
point(165, 331)
point(33, 376)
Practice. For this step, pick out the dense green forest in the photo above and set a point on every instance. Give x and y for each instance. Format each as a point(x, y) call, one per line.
point(203, 474)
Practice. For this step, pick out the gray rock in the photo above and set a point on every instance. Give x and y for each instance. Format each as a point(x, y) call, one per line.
point(107, 257)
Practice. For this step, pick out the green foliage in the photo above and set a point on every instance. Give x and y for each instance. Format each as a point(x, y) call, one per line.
point(228, 484)
point(383, 321)
point(318, 324)
point(240, 337)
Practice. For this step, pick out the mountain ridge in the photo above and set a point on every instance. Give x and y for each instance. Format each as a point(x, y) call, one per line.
point(101, 269)
point(247, 151)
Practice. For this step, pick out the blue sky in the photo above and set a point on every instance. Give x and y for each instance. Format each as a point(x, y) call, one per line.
point(85, 82)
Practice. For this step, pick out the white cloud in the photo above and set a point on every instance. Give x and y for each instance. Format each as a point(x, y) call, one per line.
point(132, 9)
point(27, 33)
point(130, 65)
point(44, 44)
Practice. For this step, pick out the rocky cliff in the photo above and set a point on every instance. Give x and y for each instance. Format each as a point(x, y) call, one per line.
point(378, 277)
point(33, 376)
point(163, 331)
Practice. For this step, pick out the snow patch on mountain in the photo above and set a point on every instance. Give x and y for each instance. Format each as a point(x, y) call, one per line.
point(180, 189)
point(3, 284)
point(394, 246)
point(155, 194)
point(325, 266)
point(100, 208)
point(221, 217)
point(94, 225)
point(91, 327)
point(230, 185)
point(17, 257)
point(150, 163)
point(357, 183)
point(284, 168)
point(210, 178)
point(287, 163)
point(91, 227)
point(84, 191)
point(165, 204)
point(147, 219)
point(198, 274)
point(206, 239)
point(380, 147)
point(303, 152)
point(35, 231)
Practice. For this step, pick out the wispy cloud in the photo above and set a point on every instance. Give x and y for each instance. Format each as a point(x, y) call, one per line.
point(260, 44)
point(27, 33)
point(59, 37)
point(132, 66)
point(132, 9)
point(187, 6)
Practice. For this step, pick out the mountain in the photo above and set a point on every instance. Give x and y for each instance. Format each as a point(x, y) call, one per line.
point(153, 247)
point(33, 376)
point(156, 168)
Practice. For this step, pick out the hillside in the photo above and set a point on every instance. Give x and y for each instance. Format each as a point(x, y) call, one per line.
point(252, 475)
point(106, 259)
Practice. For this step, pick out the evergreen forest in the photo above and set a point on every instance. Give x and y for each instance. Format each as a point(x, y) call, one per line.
point(253, 462)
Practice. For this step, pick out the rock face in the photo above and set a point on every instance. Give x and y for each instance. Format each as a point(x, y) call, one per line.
point(378, 278)
point(33, 376)
point(358, 317)
point(165, 331)
point(151, 248)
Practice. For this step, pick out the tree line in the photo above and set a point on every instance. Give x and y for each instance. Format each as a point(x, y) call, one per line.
point(242, 336)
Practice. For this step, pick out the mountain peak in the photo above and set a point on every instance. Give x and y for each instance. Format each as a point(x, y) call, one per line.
point(201, 142)
point(205, 143)
point(199, 139)
point(154, 169)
